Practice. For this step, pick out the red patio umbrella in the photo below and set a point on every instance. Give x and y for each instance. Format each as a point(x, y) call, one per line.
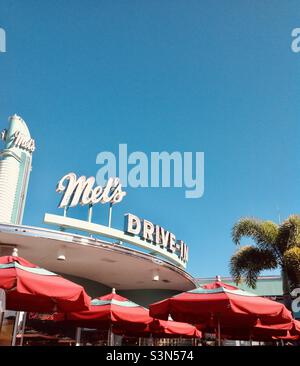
point(162, 329)
point(220, 305)
point(263, 332)
point(257, 332)
point(125, 316)
point(165, 328)
point(106, 310)
point(31, 288)
point(292, 334)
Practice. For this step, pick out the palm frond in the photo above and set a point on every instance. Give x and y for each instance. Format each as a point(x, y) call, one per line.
point(264, 233)
point(292, 264)
point(249, 261)
point(288, 233)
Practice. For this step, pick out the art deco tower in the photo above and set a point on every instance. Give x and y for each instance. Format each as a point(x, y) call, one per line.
point(15, 167)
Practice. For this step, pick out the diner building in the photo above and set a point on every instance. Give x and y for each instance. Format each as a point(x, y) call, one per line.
point(98, 262)
point(143, 262)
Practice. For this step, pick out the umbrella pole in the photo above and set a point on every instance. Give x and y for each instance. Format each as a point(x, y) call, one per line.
point(219, 332)
point(110, 340)
point(1, 319)
point(23, 327)
point(14, 337)
point(78, 336)
point(250, 337)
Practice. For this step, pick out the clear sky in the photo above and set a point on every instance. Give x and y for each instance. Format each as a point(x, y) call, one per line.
point(161, 75)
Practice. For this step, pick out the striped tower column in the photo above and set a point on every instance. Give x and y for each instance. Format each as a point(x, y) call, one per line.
point(15, 167)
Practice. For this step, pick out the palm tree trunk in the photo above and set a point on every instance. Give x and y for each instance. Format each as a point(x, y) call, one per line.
point(287, 299)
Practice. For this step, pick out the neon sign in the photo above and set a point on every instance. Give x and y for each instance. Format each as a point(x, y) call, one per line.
point(156, 235)
point(139, 232)
point(82, 191)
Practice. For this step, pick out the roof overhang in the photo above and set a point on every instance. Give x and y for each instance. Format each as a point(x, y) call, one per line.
point(108, 263)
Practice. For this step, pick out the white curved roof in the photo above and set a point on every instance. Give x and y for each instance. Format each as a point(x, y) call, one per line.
point(108, 263)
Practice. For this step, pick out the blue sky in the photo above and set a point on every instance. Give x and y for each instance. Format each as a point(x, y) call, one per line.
point(217, 77)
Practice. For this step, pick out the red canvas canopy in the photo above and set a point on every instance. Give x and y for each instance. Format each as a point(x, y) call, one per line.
point(106, 310)
point(164, 328)
point(257, 332)
point(263, 332)
point(161, 329)
point(293, 334)
point(219, 304)
point(125, 317)
point(31, 288)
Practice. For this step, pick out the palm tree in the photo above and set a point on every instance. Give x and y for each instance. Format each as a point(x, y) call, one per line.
point(277, 246)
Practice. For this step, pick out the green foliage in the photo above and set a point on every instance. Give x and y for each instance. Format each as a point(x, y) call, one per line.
point(264, 233)
point(249, 261)
point(292, 264)
point(276, 246)
point(289, 233)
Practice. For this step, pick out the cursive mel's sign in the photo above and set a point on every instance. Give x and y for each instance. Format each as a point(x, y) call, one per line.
point(137, 232)
point(82, 191)
point(19, 140)
point(156, 235)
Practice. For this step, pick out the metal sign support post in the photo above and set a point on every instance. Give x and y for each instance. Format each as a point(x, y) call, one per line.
point(90, 213)
point(109, 214)
point(65, 211)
